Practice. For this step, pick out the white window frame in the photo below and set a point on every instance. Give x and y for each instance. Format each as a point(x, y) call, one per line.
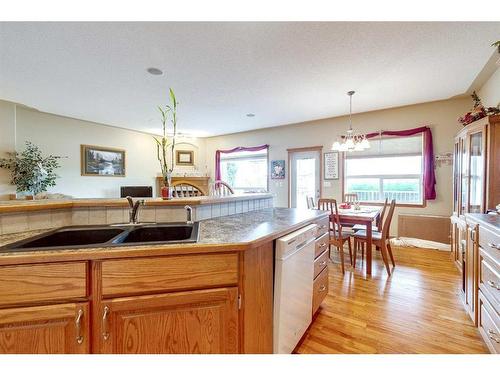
point(234, 156)
point(381, 177)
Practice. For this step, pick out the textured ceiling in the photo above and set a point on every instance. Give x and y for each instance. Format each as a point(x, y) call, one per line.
point(282, 72)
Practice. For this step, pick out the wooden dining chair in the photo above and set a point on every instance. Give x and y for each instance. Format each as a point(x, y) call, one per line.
point(337, 236)
point(183, 189)
point(221, 189)
point(350, 197)
point(380, 239)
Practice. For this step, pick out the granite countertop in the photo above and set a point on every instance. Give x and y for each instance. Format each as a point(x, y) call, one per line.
point(44, 204)
point(234, 232)
point(490, 220)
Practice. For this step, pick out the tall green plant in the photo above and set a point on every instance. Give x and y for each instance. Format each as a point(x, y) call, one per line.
point(168, 114)
point(30, 171)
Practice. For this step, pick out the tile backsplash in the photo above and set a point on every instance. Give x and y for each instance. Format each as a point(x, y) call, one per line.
point(45, 219)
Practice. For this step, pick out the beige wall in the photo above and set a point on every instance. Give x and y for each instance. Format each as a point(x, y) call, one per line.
point(7, 143)
point(490, 91)
point(63, 136)
point(441, 116)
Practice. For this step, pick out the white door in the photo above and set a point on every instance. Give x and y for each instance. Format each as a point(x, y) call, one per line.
point(305, 177)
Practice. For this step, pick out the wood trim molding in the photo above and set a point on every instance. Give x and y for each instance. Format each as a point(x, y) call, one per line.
point(300, 149)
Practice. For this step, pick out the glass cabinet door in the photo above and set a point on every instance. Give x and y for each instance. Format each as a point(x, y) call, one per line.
point(456, 175)
point(476, 173)
point(463, 175)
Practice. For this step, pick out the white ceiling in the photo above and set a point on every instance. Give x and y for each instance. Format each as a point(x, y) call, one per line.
point(283, 72)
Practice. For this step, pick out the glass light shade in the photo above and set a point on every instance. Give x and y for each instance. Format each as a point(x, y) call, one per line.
point(336, 146)
point(365, 144)
point(349, 143)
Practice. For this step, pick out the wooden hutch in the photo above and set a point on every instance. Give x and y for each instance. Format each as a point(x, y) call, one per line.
point(476, 188)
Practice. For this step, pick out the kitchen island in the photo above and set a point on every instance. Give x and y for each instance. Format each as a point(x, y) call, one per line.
point(213, 296)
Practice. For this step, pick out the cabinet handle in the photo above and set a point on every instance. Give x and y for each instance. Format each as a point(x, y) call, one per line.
point(493, 245)
point(493, 284)
point(78, 324)
point(105, 330)
point(322, 288)
point(323, 263)
point(473, 235)
point(322, 245)
point(493, 335)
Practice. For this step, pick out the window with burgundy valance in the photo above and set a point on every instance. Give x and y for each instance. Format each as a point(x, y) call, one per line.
point(398, 165)
point(245, 169)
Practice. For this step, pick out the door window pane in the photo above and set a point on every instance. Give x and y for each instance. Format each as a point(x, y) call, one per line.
point(306, 181)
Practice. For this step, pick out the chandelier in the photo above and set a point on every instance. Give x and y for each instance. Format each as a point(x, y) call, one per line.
point(351, 141)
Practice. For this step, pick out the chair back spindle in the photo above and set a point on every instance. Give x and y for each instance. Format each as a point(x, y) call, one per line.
point(350, 198)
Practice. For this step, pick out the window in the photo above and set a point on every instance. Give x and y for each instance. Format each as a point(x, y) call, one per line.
point(392, 168)
point(245, 171)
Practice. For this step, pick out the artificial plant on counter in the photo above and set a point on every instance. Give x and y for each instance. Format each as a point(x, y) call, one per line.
point(30, 171)
point(168, 114)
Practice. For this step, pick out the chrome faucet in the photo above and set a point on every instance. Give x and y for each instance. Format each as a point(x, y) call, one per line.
point(189, 213)
point(134, 209)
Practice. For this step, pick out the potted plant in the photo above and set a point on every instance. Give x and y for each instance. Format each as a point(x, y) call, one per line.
point(168, 114)
point(30, 171)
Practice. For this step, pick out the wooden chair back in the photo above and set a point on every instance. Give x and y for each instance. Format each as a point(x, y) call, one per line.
point(387, 222)
point(381, 219)
point(331, 205)
point(184, 189)
point(350, 197)
point(221, 189)
point(310, 203)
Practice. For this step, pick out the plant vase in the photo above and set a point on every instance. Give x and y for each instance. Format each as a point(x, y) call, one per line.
point(166, 192)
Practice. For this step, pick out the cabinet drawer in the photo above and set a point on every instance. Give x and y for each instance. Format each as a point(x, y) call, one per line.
point(489, 279)
point(320, 289)
point(34, 283)
point(321, 244)
point(320, 263)
point(323, 226)
point(489, 242)
point(157, 274)
point(489, 325)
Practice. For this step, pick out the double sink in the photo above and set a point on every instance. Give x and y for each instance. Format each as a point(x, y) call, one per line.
point(108, 236)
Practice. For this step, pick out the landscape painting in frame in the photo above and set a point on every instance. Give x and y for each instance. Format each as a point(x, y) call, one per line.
point(102, 161)
point(277, 169)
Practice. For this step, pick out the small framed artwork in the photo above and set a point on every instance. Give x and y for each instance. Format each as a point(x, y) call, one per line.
point(184, 158)
point(102, 161)
point(277, 169)
point(331, 165)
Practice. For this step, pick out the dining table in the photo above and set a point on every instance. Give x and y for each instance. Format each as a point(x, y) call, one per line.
point(367, 216)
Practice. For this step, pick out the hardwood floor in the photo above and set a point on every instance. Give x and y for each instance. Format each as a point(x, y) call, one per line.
point(416, 310)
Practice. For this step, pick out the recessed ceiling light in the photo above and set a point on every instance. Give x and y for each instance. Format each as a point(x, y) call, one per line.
point(250, 115)
point(154, 71)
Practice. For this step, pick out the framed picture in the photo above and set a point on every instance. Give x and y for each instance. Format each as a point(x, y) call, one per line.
point(277, 169)
point(331, 165)
point(183, 157)
point(102, 161)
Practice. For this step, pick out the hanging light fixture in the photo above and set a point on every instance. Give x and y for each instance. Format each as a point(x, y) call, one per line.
point(351, 141)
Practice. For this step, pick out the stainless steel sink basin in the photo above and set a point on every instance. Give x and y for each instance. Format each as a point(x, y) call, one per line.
point(107, 236)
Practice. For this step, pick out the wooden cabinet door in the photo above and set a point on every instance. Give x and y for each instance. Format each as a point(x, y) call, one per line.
point(201, 321)
point(53, 329)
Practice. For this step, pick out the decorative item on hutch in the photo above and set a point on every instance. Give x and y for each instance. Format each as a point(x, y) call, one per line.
point(478, 111)
point(162, 145)
point(351, 141)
